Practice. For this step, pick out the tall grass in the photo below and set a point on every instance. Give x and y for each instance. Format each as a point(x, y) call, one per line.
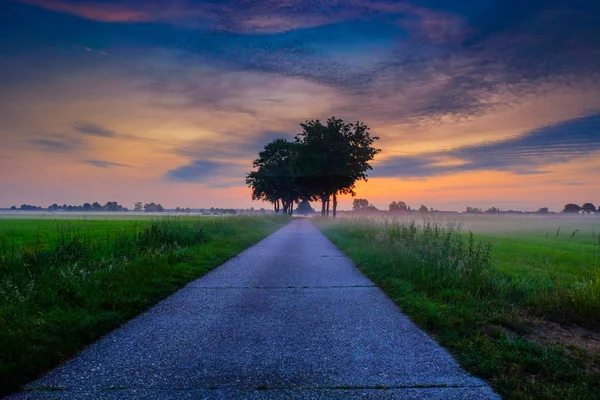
point(436, 256)
point(77, 257)
point(430, 254)
point(59, 293)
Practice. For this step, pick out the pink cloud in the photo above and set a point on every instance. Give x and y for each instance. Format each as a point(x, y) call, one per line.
point(267, 16)
point(96, 11)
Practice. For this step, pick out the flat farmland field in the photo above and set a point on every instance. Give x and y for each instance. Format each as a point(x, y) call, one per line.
point(516, 299)
point(17, 232)
point(534, 249)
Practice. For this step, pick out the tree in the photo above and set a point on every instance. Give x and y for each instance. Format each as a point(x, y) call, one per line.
point(304, 208)
point(137, 206)
point(588, 208)
point(572, 208)
point(332, 158)
point(543, 210)
point(87, 207)
point(360, 204)
point(423, 209)
point(96, 206)
point(398, 206)
point(274, 178)
point(159, 208)
point(492, 210)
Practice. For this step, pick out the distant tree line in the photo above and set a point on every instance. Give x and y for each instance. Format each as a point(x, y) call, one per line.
point(27, 207)
point(87, 207)
point(394, 207)
point(587, 208)
point(323, 161)
point(111, 206)
point(363, 205)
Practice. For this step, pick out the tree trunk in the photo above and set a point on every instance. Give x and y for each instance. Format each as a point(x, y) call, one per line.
point(291, 212)
point(323, 201)
point(334, 204)
point(328, 206)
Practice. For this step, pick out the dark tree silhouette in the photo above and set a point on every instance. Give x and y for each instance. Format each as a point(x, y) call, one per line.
point(274, 178)
point(398, 206)
point(332, 158)
point(360, 204)
point(324, 161)
point(304, 208)
point(588, 208)
point(572, 208)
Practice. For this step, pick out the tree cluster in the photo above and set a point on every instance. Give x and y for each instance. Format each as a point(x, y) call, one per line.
point(363, 205)
point(304, 208)
point(153, 207)
point(398, 206)
point(323, 161)
point(587, 208)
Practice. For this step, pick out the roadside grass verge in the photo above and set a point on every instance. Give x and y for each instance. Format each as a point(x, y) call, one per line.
point(478, 306)
point(60, 293)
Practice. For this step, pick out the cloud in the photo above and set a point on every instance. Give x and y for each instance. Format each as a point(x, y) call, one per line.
point(104, 164)
point(217, 163)
point(93, 129)
point(97, 11)
point(230, 146)
point(56, 143)
point(529, 154)
point(196, 171)
point(210, 173)
point(446, 59)
point(259, 16)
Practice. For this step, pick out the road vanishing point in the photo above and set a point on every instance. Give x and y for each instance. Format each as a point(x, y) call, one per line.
point(290, 317)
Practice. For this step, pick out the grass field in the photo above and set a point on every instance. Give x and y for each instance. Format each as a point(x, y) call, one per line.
point(64, 283)
point(517, 302)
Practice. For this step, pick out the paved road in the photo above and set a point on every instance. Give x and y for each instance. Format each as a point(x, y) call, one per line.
point(288, 318)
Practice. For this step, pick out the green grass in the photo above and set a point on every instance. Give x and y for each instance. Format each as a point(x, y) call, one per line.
point(482, 305)
point(63, 284)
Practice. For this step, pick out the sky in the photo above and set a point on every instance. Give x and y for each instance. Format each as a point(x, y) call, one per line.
point(477, 103)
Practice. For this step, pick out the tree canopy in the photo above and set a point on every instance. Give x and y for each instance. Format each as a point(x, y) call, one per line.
point(398, 206)
point(324, 160)
point(274, 178)
point(572, 208)
point(588, 208)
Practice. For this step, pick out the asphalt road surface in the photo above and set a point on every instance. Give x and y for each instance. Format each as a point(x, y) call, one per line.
point(288, 318)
